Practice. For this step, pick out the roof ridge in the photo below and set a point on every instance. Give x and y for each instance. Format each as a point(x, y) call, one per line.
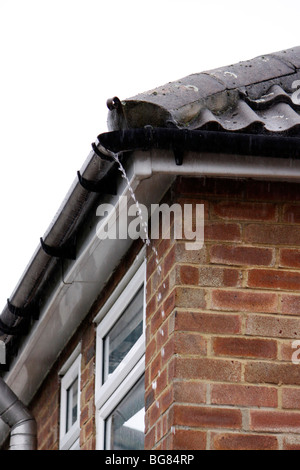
point(218, 90)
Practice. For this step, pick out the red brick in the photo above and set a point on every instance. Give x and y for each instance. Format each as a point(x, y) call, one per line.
point(151, 307)
point(189, 275)
point(245, 211)
point(210, 276)
point(161, 382)
point(291, 398)
point(150, 351)
point(88, 430)
point(273, 326)
point(159, 431)
point(272, 373)
point(87, 373)
point(187, 439)
point(290, 304)
point(207, 369)
point(190, 256)
point(210, 186)
point(189, 297)
point(87, 393)
point(233, 441)
point(272, 191)
point(156, 320)
point(147, 377)
point(192, 201)
point(149, 398)
point(291, 214)
point(275, 421)
point(190, 392)
point(163, 247)
point(155, 366)
point(190, 343)
point(162, 291)
point(286, 351)
point(150, 439)
point(207, 322)
point(222, 231)
point(162, 335)
point(243, 395)
point(151, 265)
point(167, 349)
point(166, 400)
point(237, 301)
point(153, 413)
point(269, 234)
point(244, 347)
point(169, 303)
point(291, 443)
point(242, 255)
point(197, 416)
point(289, 258)
point(274, 279)
point(169, 261)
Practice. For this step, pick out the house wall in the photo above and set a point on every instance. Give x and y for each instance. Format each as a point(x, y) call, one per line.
point(221, 323)
point(220, 326)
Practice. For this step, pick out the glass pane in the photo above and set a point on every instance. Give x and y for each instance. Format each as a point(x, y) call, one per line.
point(123, 335)
point(125, 427)
point(76, 445)
point(72, 404)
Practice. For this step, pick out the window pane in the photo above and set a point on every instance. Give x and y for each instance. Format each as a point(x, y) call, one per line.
point(126, 425)
point(124, 334)
point(72, 404)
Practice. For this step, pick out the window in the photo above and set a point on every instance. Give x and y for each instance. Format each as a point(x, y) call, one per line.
point(120, 366)
point(70, 403)
point(124, 427)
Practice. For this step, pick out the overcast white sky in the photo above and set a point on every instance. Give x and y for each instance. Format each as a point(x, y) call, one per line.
point(60, 61)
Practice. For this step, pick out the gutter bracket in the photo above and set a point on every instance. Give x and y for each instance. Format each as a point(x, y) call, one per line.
point(14, 330)
point(102, 186)
point(31, 310)
point(108, 158)
point(65, 251)
point(178, 154)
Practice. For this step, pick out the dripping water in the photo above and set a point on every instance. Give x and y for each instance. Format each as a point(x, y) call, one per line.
point(144, 223)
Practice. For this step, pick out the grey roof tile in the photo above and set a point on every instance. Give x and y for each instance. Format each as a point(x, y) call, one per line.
point(253, 71)
point(252, 96)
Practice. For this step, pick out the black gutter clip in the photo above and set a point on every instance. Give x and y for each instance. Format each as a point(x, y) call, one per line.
point(14, 330)
point(103, 186)
point(100, 154)
point(65, 251)
point(180, 147)
point(31, 310)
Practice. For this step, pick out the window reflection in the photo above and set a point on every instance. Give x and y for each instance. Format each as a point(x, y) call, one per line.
point(72, 405)
point(123, 335)
point(125, 426)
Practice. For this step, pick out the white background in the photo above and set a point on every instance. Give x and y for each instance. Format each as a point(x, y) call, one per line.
point(61, 59)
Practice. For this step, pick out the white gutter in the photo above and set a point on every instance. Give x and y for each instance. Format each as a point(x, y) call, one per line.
point(151, 174)
point(223, 165)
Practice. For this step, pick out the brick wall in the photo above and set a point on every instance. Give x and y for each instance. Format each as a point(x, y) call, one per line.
point(220, 328)
point(221, 322)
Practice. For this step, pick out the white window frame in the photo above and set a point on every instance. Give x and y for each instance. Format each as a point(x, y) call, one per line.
point(110, 393)
point(104, 412)
point(69, 373)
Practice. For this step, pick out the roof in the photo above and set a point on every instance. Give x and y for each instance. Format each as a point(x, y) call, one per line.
point(256, 96)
